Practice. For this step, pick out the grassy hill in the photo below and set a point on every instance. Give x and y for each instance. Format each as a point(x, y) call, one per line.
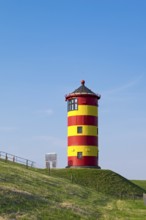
point(31, 194)
point(105, 181)
point(141, 183)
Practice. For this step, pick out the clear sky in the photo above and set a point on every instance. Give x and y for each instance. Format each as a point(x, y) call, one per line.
point(46, 49)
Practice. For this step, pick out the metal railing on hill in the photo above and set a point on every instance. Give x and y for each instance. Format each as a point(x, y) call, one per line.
point(16, 159)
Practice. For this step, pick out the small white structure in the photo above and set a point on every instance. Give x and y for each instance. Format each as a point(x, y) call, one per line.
point(51, 160)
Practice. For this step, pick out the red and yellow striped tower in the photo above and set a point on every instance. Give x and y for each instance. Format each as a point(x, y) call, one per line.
point(82, 127)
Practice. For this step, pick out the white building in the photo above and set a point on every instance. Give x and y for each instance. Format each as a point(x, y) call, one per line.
point(51, 160)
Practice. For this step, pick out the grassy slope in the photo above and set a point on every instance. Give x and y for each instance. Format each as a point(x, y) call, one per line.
point(26, 194)
point(105, 181)
point(141, 183)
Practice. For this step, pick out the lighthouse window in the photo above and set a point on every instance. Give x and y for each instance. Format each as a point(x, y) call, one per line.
point(79, 130)
point(79, 155)
point(72, 104)
point(76, 106)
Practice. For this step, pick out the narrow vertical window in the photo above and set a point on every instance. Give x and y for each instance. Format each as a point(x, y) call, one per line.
point(79, 155)
point(76, 106)
point(79, 130)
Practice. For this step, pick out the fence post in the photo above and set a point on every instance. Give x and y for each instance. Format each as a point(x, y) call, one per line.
point(49, 169)
point(6, 157)
point(71, 177)
point(26, 163)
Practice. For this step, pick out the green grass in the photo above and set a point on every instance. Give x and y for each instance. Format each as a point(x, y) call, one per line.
point(31, 194)
point(141, 183)
point(105, 181)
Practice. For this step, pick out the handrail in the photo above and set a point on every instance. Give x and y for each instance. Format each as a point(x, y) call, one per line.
point(16, 159)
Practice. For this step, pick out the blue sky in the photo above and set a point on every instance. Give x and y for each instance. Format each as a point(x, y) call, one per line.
point(46, 49)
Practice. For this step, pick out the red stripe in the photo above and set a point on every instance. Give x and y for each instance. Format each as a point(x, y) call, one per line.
point(82, 120)
point(82, 140)
point(87, 100)
point(84, 161)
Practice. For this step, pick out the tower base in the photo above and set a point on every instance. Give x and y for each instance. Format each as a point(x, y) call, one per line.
point(93, 167)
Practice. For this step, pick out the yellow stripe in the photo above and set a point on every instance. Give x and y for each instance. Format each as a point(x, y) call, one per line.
point(86, 130)
point(86, 150)
point(84, 110)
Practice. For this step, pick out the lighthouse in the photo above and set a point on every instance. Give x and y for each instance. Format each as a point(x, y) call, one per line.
point(82, 126)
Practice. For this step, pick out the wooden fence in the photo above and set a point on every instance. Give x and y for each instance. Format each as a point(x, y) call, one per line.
point(16, 159)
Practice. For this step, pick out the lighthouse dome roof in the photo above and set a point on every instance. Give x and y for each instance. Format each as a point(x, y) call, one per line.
point(83, 89)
